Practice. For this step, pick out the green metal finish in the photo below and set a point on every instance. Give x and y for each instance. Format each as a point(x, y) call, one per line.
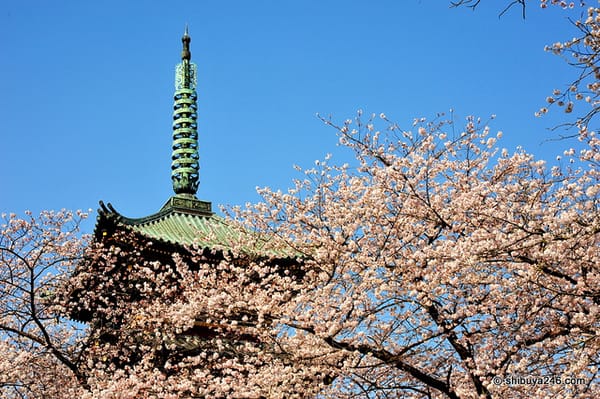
point(185, 229)
point(185, 220)
point(188, 204)
point(184, 166)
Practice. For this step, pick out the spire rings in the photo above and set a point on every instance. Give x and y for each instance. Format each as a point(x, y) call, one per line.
point(185, 166)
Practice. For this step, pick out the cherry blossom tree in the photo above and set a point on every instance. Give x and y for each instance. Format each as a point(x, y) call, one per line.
point(39, 349)
point(440, 265)
point(437, 265)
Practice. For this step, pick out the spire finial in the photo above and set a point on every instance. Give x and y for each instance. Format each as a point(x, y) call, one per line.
point(186, 39)
point(185, 168)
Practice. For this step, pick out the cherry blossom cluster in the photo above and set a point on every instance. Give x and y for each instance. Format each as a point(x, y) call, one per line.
point(581, 52)
point(39, 348)
point(561, 3)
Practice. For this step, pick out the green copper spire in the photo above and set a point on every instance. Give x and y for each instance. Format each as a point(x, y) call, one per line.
point(184, 168)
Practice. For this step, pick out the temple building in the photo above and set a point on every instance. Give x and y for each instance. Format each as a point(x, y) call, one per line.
point(182, 223)
point(135, 264)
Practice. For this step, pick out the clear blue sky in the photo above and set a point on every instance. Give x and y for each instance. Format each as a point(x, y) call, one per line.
point(86, 88)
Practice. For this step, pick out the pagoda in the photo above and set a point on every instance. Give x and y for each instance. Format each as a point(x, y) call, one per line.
point(185, 226)
point(117, 277)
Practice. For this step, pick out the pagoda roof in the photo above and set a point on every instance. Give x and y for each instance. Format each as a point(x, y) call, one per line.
point(185, 229)
point(182, 221)
point(185, 221)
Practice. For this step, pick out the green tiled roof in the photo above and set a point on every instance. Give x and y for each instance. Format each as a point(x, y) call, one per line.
point(184, 221)
point(187, 229)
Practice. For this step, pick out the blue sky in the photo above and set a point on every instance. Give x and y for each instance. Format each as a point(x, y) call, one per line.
point(86, 88)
